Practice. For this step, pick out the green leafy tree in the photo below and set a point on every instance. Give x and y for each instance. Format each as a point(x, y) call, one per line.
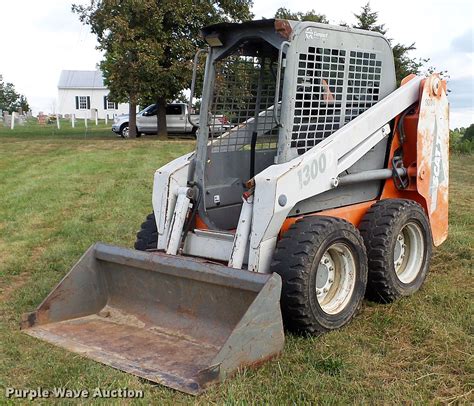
point(454, 136)
point(311, 15)
point(461, 140)
point(122, 30)
point(10, 100)
point(149, 45)
point(182, 98)
point(180, 37)
point(23, 104)
point(469, 133)
point(368, 19)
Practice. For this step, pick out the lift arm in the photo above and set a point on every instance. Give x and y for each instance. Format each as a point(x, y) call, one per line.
point(279, 187)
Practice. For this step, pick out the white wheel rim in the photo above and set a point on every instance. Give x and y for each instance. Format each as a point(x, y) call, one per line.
point(126, 132)
point(335, 278)
point(408, 252)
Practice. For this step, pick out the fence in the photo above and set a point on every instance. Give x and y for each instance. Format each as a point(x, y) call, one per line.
point(53, 125)
point(17, 121)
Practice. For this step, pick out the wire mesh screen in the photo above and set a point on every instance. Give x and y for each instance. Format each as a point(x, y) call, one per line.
point(331, 90)
point(364, 83)
point(242, 104)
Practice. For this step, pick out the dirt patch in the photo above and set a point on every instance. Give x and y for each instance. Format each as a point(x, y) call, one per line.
point(13, 284)
point(36, 253)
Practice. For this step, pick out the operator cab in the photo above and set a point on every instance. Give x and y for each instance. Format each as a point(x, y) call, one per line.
point(283, 86)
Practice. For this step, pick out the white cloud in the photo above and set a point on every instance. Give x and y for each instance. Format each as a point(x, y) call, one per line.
point(464, 42)
point(40, 38)
point(461, 118)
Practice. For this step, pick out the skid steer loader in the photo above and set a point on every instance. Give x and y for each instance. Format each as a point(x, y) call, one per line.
point(329, 183)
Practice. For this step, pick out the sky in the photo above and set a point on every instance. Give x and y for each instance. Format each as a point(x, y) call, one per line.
point(41, 38)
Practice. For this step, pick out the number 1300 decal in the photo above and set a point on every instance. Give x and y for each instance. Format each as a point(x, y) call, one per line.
point(312, 170)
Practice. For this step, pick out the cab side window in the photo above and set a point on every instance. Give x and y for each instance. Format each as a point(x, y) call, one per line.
point(174, 110)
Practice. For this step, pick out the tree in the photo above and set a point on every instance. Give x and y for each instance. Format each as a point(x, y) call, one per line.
point(121, 29)
point(10, 100)
point(462, 140)
point(23, 104)
point(181, 38)
point(404, 64)
point(469, 133)
point(311, 15)
point(367, 20)
point(149, 45)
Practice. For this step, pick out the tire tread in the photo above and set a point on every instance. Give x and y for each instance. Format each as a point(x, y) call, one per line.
point(376, 229)
point(147, 236)
point(292, 262)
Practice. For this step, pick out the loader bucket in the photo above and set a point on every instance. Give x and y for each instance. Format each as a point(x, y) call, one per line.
point(177, 321)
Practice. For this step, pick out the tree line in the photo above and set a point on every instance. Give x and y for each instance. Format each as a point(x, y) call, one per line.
point(462, 139)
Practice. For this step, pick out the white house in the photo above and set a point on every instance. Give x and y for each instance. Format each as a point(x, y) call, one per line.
point(84, 94)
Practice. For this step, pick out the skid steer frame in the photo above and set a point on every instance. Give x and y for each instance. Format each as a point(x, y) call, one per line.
point(205, 303)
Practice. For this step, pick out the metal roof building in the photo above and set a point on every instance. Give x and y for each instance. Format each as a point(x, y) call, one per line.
point(83, 93)
point(77, 79)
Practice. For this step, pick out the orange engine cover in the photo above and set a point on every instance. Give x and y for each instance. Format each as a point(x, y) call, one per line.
point(433, 155)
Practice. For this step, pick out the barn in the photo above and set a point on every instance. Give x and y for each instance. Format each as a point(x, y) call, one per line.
point(84, 94)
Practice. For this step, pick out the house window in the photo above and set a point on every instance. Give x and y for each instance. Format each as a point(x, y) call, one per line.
point(109, 105)
point(82, 102)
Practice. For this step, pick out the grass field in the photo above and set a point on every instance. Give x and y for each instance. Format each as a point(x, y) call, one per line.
point(32, 129)
point(60, 194)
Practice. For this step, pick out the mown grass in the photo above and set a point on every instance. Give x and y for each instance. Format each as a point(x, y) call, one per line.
point(32, 129)
point(60, 194)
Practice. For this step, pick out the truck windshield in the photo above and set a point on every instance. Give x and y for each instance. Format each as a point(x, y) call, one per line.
point(150, 109)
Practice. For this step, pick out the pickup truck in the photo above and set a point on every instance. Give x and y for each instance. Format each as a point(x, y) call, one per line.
point(177, 121)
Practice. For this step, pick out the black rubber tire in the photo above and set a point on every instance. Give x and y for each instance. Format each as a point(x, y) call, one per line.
point(147, 237)
point(296, 259)
point(380, 227)
point(122, 128)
